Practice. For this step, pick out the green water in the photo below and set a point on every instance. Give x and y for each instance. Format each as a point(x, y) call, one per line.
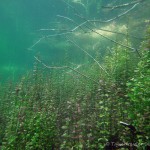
point(22, 20)
point(71, 70)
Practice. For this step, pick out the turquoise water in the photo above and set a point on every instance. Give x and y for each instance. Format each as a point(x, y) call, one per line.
point(72, 72)
point(21, 22)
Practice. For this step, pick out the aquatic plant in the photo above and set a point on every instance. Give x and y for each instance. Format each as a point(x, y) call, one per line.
point(79, 106)
point(139, 91)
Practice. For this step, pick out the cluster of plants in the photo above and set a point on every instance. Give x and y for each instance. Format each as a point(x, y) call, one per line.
point(61, 109)
point(80, 108)
point(139, 92)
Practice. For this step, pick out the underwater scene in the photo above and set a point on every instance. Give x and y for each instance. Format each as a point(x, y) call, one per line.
point(75, 75)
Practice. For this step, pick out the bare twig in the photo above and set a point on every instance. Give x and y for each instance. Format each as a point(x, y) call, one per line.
point(49, 67)
point(112, 19)
point(88, 55)
point(91, 29)
point(64, 17)
point(74, 29)
point(36, 43)
point(121, 33)
point(59, 34)
point(82, 74)
point(71, 20)
point(123, 5)
point(53, 29)
point(78, 66)
point(81, 4)
point(63, 67)
point(105, 21)
point(75, 10)
point(94, 31)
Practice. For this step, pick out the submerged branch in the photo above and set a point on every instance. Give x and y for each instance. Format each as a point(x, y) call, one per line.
point(49, 67)
point(112, 19)
point(75, 28)
point(63, 67)
point(94, 31)
point(123, 5)
point(52, 29)
point(140, 38)
point(59, 34)
point(105, 21)
point(81, 74)
point(71, 20)
point(88, 55)
point(89, 27)
point(30, 48)
point(75, 10)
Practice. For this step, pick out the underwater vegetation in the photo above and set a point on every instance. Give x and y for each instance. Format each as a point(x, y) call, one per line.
point(90, 84)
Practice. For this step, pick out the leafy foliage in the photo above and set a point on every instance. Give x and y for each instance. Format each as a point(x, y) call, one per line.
point(139, 93)
point(62, 109)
